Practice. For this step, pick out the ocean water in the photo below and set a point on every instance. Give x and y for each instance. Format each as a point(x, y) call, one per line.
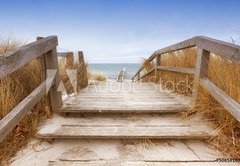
point(112, 69)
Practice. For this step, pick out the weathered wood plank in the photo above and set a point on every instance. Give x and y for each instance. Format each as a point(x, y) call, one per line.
point(67, 55)
point(201, 71)
point(13, 60)
point(179, 46)
point(18, 112)
point(63, 54)
point(158, 63)
point(143, 150)
point(223, 98)
point(138, 163)
point(130, 127)
point(145, 74)
point(52, 65)
point(133, 98)
point(221, 48)
point(177, 69)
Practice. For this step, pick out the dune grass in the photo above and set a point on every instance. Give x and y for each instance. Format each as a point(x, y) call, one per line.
point(80, 75)
point(225, 74)
point(13, 89)
point(97, 76)
point(16, 86)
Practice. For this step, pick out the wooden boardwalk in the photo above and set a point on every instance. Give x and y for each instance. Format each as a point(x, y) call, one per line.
point(119, 123)
point(125, 97)
point(129, 124)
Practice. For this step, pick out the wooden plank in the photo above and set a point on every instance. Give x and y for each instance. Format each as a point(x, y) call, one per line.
point(138, 163)
point(68, 55)
point(172, 108)
point(221, 48)
point(179, 46)
point(52, 64)
point(63, 54)
point(145, 74)
point(177, 69)
point(142, 150)
point(81, 58)
point(223, 98)
point(201, 71)
point(129, 127)
point(133, 98)
point(17, 114)
point(158, 63)
point(13, 60)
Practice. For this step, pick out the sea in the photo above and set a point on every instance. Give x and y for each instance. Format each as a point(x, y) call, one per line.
point(112, 69)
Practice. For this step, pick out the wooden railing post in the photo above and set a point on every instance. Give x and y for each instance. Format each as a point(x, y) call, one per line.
point(51, 62)
point(201, 70)
point(70, 59)
point(80, 58)
point(158, 61)
point(55, 96)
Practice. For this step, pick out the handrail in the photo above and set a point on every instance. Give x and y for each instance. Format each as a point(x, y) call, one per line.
point(205, 46)
point(221, 48)
point(13, 60)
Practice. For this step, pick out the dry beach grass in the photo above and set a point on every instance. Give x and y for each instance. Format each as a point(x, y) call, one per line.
point(223, 73)
point(16, 86)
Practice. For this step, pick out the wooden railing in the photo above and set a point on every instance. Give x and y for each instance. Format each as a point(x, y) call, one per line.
point(205, 46)
point(68, 55)
point(70, 58)
point(12, 61)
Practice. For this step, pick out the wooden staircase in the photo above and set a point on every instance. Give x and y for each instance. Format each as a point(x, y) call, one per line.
point(120, 123)
point(129, 124)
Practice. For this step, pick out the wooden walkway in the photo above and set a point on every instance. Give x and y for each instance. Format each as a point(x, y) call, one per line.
point(129, 124)
point(113, 123)
point(125, 97)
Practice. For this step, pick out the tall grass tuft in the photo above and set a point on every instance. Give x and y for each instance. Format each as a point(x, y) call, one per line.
point(97, 76)
point(80, 78)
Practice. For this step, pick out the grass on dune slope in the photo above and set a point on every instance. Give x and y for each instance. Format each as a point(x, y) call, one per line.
point(16, 86)
point(225, 74)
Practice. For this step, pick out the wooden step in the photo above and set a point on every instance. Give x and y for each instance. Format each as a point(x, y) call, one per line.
point(140, 152)
point(118, 126)
point(138, 163)
point(141, 98)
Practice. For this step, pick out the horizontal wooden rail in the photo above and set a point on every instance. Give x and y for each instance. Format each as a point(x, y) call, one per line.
point(221, 48)
point(224, 99)
point(64, 54)
point(150, 71)
point(205, 46)
point(67, 55)
point(13, 60)
point(177, 69)
point(8, 123)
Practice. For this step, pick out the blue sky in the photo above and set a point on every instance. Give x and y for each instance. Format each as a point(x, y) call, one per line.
point(119, 30)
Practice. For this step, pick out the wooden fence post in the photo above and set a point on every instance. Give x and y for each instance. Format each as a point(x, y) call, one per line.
point(51, 62)
point(70, 59)
point(82, 75)
point(158, 61)
point(80, 58)
point(201, 70)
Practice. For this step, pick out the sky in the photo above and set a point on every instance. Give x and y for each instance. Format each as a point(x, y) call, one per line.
point(119, 31)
